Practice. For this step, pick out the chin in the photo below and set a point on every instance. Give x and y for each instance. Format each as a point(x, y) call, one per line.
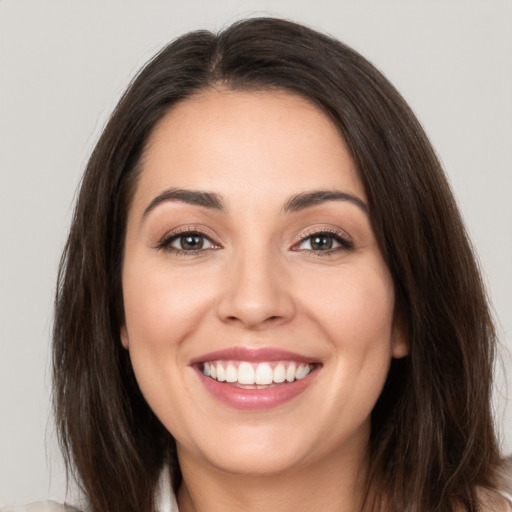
point(256, 462)
point(251, 450)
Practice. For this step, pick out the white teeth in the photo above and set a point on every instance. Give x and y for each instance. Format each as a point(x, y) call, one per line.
point(264, 374)
point(290, 372)
point(231, 373)
point(302, 371)
point(221, 373)
point(245, 373)
point(279, 373)
point(260, 374)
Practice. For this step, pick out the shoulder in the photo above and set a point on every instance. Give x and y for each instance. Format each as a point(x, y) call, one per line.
point(495, 501)
point(40, 506)
point(507, 501)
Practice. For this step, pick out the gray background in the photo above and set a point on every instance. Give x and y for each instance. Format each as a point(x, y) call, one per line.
point(63, 65)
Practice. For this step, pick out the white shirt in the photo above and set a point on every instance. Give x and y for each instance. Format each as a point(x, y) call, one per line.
point(165, 500)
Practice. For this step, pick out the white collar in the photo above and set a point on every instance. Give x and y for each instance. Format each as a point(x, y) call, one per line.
point(166, 500)
point(164, 497)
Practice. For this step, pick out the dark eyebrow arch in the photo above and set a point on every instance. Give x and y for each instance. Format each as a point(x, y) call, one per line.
point(194, 197)
point(307, 199)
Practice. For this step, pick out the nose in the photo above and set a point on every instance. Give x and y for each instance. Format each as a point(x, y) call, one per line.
point(256, 293)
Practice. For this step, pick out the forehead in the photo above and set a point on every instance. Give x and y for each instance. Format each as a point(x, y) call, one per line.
point(254, 143)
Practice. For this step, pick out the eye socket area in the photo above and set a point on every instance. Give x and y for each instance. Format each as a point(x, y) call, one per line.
point(191, 242)
point(188, 242)
point(323, 241)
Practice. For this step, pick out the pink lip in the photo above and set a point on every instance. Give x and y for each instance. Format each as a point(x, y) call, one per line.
point(251, 398)
point(255, 399)
point(253, 355)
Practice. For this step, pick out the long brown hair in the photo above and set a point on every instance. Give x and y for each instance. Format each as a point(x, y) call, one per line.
point(432, 438)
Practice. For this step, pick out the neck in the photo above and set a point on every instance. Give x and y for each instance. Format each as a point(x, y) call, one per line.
point(333, 485)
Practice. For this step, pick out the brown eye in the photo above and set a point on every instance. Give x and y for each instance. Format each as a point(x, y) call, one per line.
point(188, 242)
point(324, 242)
point(321, 242)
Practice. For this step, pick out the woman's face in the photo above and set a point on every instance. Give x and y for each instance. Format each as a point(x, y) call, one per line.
point(259, 310)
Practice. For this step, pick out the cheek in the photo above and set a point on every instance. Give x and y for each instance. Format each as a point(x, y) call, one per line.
point(355, 306)
point(161, 307)
point(354, 309)
point(161, 312)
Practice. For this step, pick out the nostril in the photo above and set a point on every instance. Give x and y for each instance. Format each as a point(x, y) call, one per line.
point(273, 317)
point(251, 304)
point(253, 321)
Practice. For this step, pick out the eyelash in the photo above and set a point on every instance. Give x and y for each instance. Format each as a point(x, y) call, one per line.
point(345, 244)
point(167, 240)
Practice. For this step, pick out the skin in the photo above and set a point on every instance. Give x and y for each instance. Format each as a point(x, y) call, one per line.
point(257, 283)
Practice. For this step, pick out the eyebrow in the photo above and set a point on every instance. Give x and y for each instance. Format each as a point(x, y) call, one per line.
point(194, 197)
point(213, 201)
point(308, 199)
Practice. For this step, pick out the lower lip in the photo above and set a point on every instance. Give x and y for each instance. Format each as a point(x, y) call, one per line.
point(255, 399)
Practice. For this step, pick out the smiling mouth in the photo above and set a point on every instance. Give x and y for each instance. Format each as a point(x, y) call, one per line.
point(255, 379)
point(256, 375)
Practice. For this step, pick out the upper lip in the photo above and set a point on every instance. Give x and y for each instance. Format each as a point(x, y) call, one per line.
point(251, 354)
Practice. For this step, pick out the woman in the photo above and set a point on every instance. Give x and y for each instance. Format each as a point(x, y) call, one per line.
point(267, 298)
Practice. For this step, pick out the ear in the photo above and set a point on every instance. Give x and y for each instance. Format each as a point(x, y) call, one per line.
point(399, 342)
point(124, 336)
